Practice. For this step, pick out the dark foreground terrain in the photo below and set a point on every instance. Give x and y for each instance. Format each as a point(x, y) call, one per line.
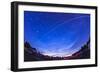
point(32, 54)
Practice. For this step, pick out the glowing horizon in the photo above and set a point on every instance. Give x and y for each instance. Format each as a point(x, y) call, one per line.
point(56, 34)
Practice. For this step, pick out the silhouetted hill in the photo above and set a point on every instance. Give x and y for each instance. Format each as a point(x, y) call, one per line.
point(84, 52)
point(29, 52)
point(32, 54)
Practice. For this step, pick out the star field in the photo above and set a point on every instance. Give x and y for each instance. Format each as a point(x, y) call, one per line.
point(56, 34)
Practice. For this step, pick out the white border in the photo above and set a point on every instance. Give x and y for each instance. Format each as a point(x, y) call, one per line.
point(22, 64)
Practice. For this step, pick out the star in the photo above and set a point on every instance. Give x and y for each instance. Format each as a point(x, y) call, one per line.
point(63, 39)
point(37, 31)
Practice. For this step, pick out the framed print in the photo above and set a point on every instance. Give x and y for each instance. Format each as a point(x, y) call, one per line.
point(52, 36)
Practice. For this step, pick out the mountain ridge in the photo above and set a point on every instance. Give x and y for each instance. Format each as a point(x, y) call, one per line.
point(32, 54)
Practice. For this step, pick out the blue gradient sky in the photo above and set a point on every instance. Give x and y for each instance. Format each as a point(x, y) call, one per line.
point(56, 34)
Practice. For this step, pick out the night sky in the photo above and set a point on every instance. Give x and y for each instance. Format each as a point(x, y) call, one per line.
point(56, 34)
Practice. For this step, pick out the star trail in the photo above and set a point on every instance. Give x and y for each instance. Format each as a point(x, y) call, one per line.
point(56, 34)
